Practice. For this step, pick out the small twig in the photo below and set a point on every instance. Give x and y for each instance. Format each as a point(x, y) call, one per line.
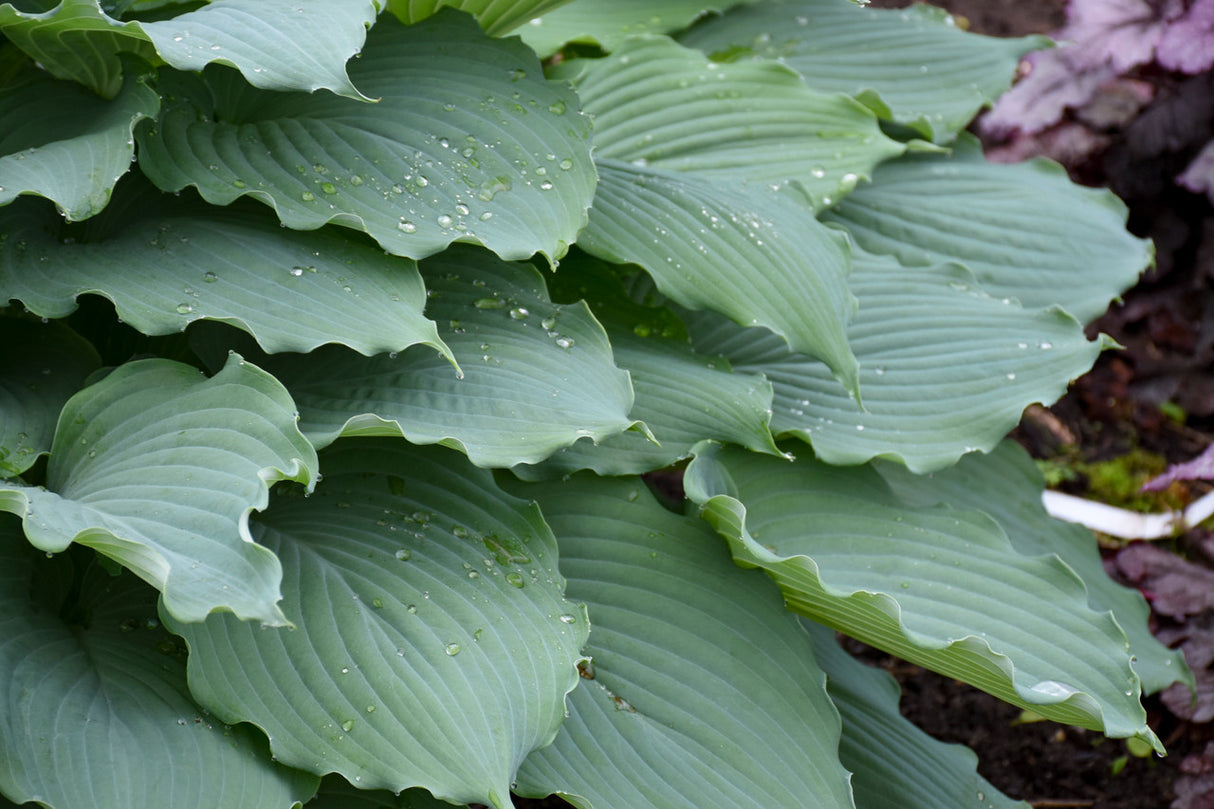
point(1125, 524)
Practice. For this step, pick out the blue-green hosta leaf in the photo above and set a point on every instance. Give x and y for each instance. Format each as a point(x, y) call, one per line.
point(275, 44)
point(945, 368)
point(157, 467)
point(911, 65)
point(96, 711)
point(495, 16)
point(65, 144)
point(467, 143)
point(1025, 230)
point(895, 765)
point(681, 397)
point(702, 690)
point(168, 261)
point(41, 366)
point(659, 104)
point(338, 793)
point(609, 23)
point(433, 644)
point(755, 255)
point(941, 588)
point(537, 376)
point(1017, 508)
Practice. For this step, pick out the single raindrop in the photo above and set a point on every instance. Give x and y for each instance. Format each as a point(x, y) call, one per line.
point(452, 649)
point(519, 313)
point(296, 271)
point(356, 179)
point(370, 709)
point(184, 308)
point(564, 342)
point(567, 619)
point(348, 725)
point(404, 554)
point(486, 216)
point(566, 164)
point(405, 226)
point(238, 183)
point(210, 277)
point(444, 221)
point(307, 196)
point(412, 608)
point(514, 579)
point(557, 107)
point(546, 186)
point(328, 188)
point(489, 303)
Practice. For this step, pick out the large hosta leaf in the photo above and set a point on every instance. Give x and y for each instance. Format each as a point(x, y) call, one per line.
point(495, 16)
point(1025, 230)
point(609, 23)
point(938, 587)
point(895, 765)
point(659, 104)
point(467, 143)
point(433, 645)
point(168, 261)
point(755, 255)
point(276, 44)
point(702, 690)
point(681, 396)
point(945, 368)
point(536, 376)
point(41, 366)
point(158, 468)
point(96, 711)
point(912, 65)
point(65, 144)
point(1009, 471)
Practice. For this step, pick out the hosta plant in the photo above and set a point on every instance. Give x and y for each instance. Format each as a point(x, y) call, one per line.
point(408, 403)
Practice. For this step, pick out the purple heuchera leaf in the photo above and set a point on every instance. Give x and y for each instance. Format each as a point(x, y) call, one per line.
point(1196, 639)
point(1121, 33)
point(1054, 81)
point(1195, 789)
point(1199, 176)
point(1187, 44)
point(1200, 468)
point(1174, 587)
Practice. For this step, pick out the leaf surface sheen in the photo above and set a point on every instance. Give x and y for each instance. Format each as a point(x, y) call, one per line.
point(275, 44)
point(755, 255)
point(537, 376)
point(924, 337)
point(158, 468)
point(467, 143)
point(96, 710)
point(656, 103)
point(912, 66)
point(705, 692)
point(36, 380)
point(167, 262)
point(67, 145)
point(1025, 230)
point(941, 588)
point(433, 645)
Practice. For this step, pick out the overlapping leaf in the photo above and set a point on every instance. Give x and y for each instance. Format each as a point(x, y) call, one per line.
point(945, 369)
point(468, 143)
point(659, 104)
point(536, 376)
point(96, 711)
point(702, 690)
point(755, 255)
point(275, 44)
point(1025, 230)
point(908, 769)
point(65, 144)
point(938, 587)
point(1032, 532)
point(681, 397)
point(433, 645)
point(158, 468)
point(912, 65)
point(495, 16)
point(167, 261)
point(41, 366)
point(609, 23)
